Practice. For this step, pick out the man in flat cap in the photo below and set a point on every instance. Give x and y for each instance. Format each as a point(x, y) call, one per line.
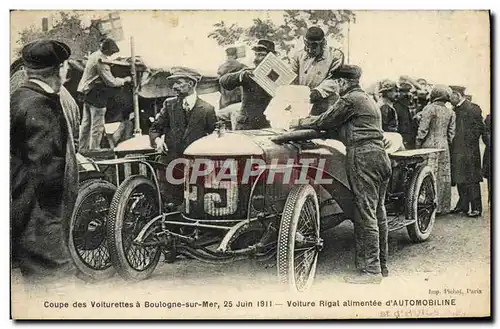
point(183, 119)
point(231, 64)
point(313, 66)
point(403, 106)
point(388, 92)
point(44, 173)
point(96, 86)
point(357, 120)
point(229, 97)
point(254, 99)
point(465, 155)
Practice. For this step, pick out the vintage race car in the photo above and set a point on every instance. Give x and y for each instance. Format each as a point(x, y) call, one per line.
point(259, 194)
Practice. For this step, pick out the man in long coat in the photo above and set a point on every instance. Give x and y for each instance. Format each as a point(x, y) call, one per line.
point(465, 155)
point(402, 106)
point(487, 153)
point(313, 66)
point(44, 172)
point(183, 119)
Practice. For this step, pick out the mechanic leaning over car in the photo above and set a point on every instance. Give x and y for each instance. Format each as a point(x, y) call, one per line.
point(357, 119)
point(183, 119)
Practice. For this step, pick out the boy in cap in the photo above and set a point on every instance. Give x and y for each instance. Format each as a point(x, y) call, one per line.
point(357, 119)
point(43, 167)
point(96, 86)
point(389, 93)
point(313, 66)
point(254, 99)
point(183, 119)
point(465, 155)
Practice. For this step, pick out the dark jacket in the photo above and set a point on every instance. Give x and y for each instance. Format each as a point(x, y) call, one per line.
point(487, 149)
point(355, 116)
point(254, 101)
point(389, 118)
point(44, 180)
point(181, 128)
point(405, 123)
point(465, 154)
point(228, 97)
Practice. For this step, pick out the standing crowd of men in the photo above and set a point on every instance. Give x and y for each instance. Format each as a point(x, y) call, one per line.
point(44, 176)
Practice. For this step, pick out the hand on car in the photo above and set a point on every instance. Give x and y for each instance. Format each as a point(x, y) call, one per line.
point(161, 146)
point(128, 79)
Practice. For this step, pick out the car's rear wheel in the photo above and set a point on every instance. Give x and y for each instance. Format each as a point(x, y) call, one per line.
point(87, 236)
point(299, 239)
point(135, 203)
point(421, 205)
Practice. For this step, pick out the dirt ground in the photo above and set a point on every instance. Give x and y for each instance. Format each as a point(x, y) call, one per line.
point(456, 255)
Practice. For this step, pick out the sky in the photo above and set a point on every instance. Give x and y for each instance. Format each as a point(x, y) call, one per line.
point(442, 46)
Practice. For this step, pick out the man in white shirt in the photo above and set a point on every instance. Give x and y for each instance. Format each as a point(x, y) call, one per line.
point(183, 119)
point(96, 86)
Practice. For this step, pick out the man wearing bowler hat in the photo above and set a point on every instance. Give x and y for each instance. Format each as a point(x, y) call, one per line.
point(96, 86)
point(313, 66)
point(183, 119)
point(43, 167)
point(357, 120)
point(254, 99)
point(466, 170)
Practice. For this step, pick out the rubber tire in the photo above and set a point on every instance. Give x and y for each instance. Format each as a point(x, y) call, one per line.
point(288, 228)
point(414, 232)
point(114, 230)
point(86, 189)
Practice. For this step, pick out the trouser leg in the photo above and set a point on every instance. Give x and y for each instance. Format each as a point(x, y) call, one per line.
point(359, 259)
point(475, 197)
point(382, 226)
point(364, 169)
point(463, 199)
point(84, 140)
point(97, 128)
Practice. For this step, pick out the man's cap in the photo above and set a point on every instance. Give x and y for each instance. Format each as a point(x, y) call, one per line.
point(387, 85)
point(184, 72)
point(347, 72)
point(109, 45)
point(231, 51)
point(404, 86)
point(45, 53)
point(458, 89)
point(315, 33)
point(440, 93)
point(264, 45)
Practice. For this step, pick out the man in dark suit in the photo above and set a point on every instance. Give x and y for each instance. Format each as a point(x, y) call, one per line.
point(43, 167)
point(405, 123)
point(183, 119)
point(254, 99)
point(465, 155)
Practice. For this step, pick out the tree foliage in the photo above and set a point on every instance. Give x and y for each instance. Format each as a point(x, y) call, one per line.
point(286, 34)
point(68, 29)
